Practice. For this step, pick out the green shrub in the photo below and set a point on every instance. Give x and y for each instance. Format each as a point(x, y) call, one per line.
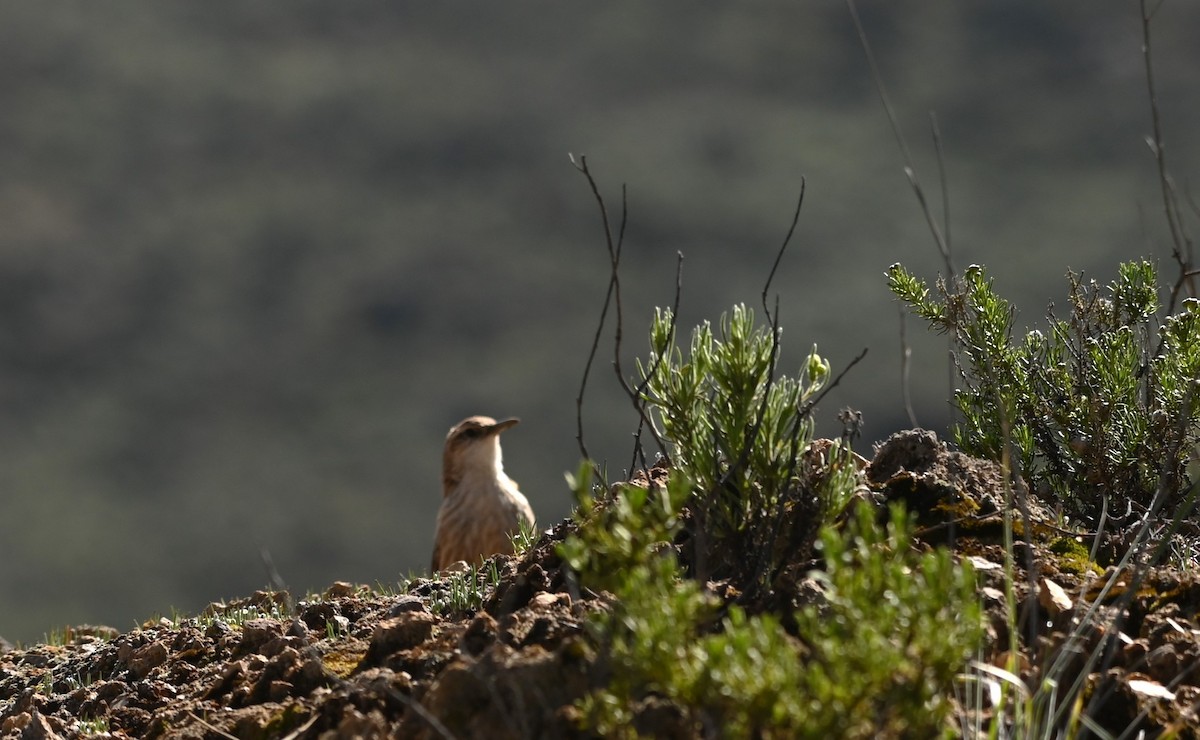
point(1101, 409)
point(616, 535)
point(657, 639)
point(734, 427)
point(877, 656)
point(622, 546)
point(898, 626)
point(874, 660)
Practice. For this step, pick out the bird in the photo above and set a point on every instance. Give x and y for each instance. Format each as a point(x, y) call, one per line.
point(482, 508)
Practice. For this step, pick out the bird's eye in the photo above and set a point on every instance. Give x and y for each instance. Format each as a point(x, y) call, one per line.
point(472, 433)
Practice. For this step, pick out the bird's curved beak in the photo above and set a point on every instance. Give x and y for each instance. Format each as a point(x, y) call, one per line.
point(500, 426)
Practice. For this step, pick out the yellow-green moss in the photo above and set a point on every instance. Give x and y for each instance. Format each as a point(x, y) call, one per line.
point(342, 663)
point(289, 717)
point(1072, 556)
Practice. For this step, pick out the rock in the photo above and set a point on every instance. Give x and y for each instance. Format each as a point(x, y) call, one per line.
point(480, 634)
point(277, 691)
point(1053, 598)
point(279, 644)
point(341, 625)
point(992, 595)
point(406, 604)
point(1152, 689)
point(356, 724)
point(39, 728)
point(298, 629)
point(233, 674)
point(15, 722)
point(545, 599)
point(914, 450)
point(458, 698)
point(340, 590)
point(256, 633)
point(147, 658)
point(1163, 663)
point(982, 564)
point(400, 633)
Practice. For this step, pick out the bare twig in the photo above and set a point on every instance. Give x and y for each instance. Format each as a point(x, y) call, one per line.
point(1190, 199)
point(302, 728)
point(808, 405)
point(274, 578)
point(751, 436)
point(614, 256)
point(910, 169)
point(941, 235)
point(419, 709)
point(612, 298)
point(783, 248)
point(943, 183)
point(587, 368)
point(1181, 249)
point(211, 727)
point(635, 396)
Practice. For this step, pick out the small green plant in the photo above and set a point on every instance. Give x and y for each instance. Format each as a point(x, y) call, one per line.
point(524, 538)
point(263, 604)
point(175, 619)
point(734, 426)
point(393, 588)
point(465, 590)
point(238, 615)
point(1101, 409)
point(79, 680)
point(92, 726)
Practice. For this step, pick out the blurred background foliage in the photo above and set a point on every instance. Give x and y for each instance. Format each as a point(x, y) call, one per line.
point(257, 258)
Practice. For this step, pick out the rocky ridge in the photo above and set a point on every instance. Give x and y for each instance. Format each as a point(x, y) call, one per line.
point(510, 658)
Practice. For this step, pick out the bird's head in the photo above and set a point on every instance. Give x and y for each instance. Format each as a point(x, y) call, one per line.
point(473, 447)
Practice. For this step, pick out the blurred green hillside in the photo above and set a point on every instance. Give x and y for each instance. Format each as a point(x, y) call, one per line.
point(257, 258)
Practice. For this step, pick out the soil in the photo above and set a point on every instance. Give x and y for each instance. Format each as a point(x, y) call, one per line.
point(354, 662)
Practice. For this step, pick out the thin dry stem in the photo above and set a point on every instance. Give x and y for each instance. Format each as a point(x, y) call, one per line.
point(614, 258)
point(613, 298)
point(910, 169)
point(783, 247)
point(1181, 249)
